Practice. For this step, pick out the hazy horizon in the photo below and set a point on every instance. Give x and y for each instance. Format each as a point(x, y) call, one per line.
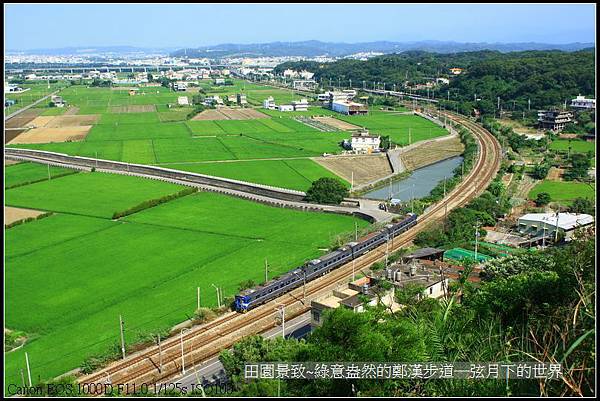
point(52, 26)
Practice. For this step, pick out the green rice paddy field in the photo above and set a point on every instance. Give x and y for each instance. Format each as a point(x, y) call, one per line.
point(23, 173)
point(164, 136)
point(577, 145)
point(291, 173)
point(397, 126)
point(564, 191)
point(69, 276)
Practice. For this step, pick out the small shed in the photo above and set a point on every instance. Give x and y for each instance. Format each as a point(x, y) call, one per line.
point(425, 254)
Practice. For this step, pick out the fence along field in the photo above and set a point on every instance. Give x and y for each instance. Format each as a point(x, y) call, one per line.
point(96, 272)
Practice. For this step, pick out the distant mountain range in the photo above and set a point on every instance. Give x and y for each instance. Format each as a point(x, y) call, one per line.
point(310, 48)
point(73, 51)
point(313, 48)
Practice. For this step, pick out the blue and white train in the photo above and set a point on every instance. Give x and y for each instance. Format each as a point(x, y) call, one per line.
point(253, 297)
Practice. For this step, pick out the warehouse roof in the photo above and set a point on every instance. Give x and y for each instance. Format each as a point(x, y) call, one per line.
point(424, 252)
point(566, 221)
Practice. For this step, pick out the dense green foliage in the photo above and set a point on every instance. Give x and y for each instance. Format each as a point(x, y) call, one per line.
point(582, 205)
point(545, 77)
point(542, 199)
point(535, 308)
point(327, 191)
point(461, 223)
point(153, 202)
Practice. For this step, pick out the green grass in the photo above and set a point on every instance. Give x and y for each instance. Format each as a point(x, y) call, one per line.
point(91, 194)
point(294, 174)
point(163, 137)
point(563, 191)
point(54, 111)
point(23, 173)
point(68, 278)
point(397, 126)
point(37, 90)
point(577, 145)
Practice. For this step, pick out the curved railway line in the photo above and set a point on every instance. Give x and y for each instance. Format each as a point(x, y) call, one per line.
point(206, 341)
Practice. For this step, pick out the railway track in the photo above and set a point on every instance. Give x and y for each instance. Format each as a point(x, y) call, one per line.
point(206, 341)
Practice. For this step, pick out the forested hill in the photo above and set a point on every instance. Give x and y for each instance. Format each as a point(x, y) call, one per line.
point(546, 77)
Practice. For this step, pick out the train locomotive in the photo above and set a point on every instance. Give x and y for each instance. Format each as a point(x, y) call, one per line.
point(258, 295)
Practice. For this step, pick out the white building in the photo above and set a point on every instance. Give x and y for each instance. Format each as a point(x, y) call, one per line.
point(300, 105)
point(269, 103)
point(580, 102)
point(219, 81)
point(536, 224)
point(179, 86)
point(285, 107)
point(363, 142)
point(58, 101)
point(349, 93)
point(12, 88)
point(241, 99)
point(183, 101)
point(215, 99)
point(349, 108)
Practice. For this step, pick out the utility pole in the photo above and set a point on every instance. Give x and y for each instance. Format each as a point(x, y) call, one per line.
point(160, 359)
point(387, 249)
point(282, 309)
point(48, 172)
point(304, 284)
point(266, 271)
point(28, 369)
point(544, 237)
point(182, 358)
point(476, 239)
point(198, 297)
point(556, 229)
point(122, 336)
point(218, 297)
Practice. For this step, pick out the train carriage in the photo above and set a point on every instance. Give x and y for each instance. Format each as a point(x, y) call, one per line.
point(258, 295)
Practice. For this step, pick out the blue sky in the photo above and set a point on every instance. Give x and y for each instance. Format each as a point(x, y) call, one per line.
point(188, 25)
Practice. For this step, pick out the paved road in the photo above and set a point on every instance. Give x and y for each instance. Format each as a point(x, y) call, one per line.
point(212, 368)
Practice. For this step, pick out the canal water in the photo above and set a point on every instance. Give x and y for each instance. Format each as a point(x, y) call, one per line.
point(419, 184)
